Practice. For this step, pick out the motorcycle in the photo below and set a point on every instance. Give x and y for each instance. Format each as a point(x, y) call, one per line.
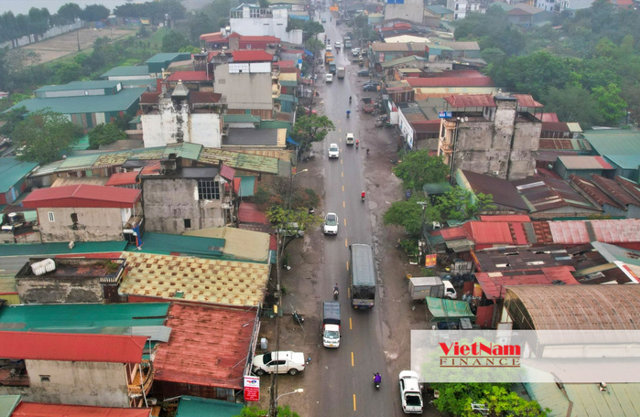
point(297, 317)
point(336, 292)
point(377, 380)
point(362, 197)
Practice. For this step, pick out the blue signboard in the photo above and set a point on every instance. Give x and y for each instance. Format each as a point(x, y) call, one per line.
point(445, 115)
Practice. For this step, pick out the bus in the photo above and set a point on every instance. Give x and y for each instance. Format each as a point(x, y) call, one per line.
point(362, 276)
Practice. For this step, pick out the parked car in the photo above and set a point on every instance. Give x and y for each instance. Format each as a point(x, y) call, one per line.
point(328, 78)
point(337, 44)
point(449, 290)
point(334, 151)
point(330, 224)
point(329, 48)
point(282, 361)
point(410, 393)
point(363, 73)
point(324, 20)
point(355, 51)
point(370, 87)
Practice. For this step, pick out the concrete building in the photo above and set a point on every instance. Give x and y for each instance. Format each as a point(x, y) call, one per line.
point(411, 10)
point(87, 213)
point(253, 20)
point(85, 369)
point(179, 199)
point(495, 135)
point(181, 116)
point(460, 8)
point(31, 409)
point(246, 84)
point(73, 280)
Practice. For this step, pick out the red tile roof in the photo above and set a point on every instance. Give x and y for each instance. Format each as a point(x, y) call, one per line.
point(471, 100)
point(82, 195)
point(490, 233)
point(614, 190)
point(63, 410)
point(149, 98)
point(525, 100)
point(616, 231)
point(482, 81)
point(494, 283)
point(549, 117)
point(123, 178)
point(554, 127)
point(204, 97)
point(595, 193)
point(452, 233)
point(208, 346)
point(631, 187)
point(249, 213)
point(290, 63)
point(71, 347)
point(189, 76)
point(426, 126)
point(250, 55)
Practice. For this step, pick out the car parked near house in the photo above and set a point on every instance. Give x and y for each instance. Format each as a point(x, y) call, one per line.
point(355, 51)
point(449, 290)
point(281, 362)
point(330, 224)
point(370, 86)
point(363, 73)
point(410, 393)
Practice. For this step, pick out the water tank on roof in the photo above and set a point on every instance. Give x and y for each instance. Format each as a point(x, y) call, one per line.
point(42, 267)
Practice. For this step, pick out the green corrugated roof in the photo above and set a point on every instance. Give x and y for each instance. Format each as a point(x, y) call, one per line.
point(126, 70)
point(238, 160)
point(79, 85)
point(275, 124)
point(443, 308)
point(288, 83)
point(287, 97)
point(621, 146)
point(166, 244)
point(85, 104)
point(12, 171)
point(82, 318)
point(168, 57)
point(240, 118)
point(247, 185)
point(8, 403)
point(80, 161)
point(197, 407)
point(61, 247)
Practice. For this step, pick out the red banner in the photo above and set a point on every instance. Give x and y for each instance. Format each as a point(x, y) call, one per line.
point(251, 388)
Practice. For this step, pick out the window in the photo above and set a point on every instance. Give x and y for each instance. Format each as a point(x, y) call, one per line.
point(45, 378)
point(208, 190)
point(187, 223)
point(52, 218)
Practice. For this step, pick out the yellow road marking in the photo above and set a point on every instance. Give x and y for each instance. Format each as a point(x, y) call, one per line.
point(348, 292)
point(342, 174)
point(346, 243)
point(343, 188)
point(341, 160)
point(352, 361)
point(343, 205)
point(345, 222)
point(347, 265)
point(350, 324)
point(354, 402)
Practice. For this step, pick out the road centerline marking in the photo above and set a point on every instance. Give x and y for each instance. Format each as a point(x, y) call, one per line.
point(352, 360)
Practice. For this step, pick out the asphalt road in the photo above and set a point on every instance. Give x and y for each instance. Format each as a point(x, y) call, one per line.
point(348, 389)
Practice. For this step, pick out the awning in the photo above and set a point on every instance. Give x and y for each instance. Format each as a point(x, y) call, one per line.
point(442, 309)
point(291, 141)
point(308, 52)
point(459, 245)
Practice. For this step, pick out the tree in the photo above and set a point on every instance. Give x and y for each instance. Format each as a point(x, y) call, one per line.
point(104, 134)
point(45, 136)
point(458, 204)
point(94, 13)
point(612, 106)
point(407, 214)
point(497, 398)
point(573, 103)
point(11, 119)
point(418, 168)
point(253, 411)
point(174, 41)
point(199, 23)
point(69, 12)
point(311, 128)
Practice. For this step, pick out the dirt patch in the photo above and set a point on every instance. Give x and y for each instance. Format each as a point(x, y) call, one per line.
point(67, 44)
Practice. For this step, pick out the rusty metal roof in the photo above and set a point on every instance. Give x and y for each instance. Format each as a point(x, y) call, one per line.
point(471, 100)
point(494, 284)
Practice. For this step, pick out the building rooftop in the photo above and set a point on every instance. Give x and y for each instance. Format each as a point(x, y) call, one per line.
point(251, 55)
point(80, 85)
point(621, 146)
point(195, 279)
point(582, 307)
point(72, 347)
point(253, 137)
point(514, 259)
point(479, 81)
point(168, 57)
point(82, 196)
point(238, 243)
point(550, 194)
point(584, 162)
point(123, 178)
point(12, 171)
point(494, 284)
point(208, 346)
point(121, 101)
point(189, 76)
point(82, 318)
point(126, 71)
point(421, 47)
point(182, 245)
point(504, 192)
point(27, 409)
point(197, 407)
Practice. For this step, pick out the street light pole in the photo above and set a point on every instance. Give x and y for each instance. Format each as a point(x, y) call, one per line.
point(296, 391)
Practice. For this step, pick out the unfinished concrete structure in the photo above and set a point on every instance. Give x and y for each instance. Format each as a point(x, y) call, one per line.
point(74, 280)
point(495, 135)
point(246, 87)
point(181, 116)
point(180, 199)
point(411, 10)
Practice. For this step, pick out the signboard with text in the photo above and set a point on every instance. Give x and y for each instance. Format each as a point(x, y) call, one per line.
point(251, 388)
point(445, 115)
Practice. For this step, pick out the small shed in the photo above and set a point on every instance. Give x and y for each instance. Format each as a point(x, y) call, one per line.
point(445, 310)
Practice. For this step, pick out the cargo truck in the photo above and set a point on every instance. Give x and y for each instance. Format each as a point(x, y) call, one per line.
point(341, 72)
point(332, 68)
point(421, 287)
point(331, 324)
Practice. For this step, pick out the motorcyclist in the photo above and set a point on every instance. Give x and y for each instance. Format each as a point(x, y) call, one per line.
point(362, 195)
point(377, 378)
point(357, 143)
point(349, 99)
point(336, 290)
point(348, 113)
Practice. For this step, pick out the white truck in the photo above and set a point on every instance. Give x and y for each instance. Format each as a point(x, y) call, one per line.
point(331, 324)
point(421, 287)
point(341, 72)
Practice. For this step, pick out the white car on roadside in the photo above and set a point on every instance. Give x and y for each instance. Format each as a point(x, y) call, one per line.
point(449, 290)
point(330, 224)
point(281, 362)
point(334, 151)
point(410, 392)
point(328, 78)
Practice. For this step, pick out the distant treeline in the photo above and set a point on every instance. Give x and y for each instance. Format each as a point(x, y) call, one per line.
point(38, 21)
